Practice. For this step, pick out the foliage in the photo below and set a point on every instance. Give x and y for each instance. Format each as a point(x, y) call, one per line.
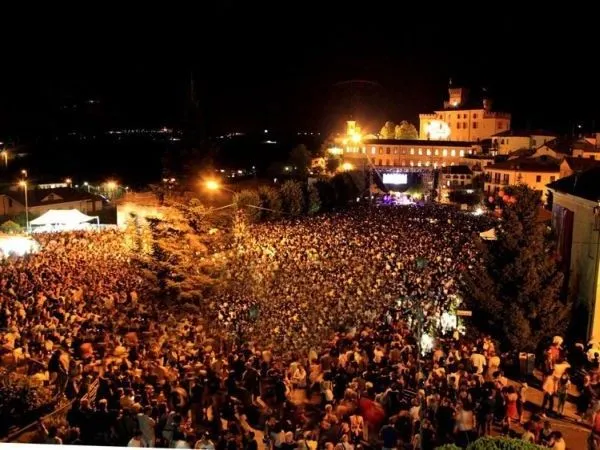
point(461, 197)
point(10, 227)
point(405, 131)
point(270, 199)
point(292, 197)
point(502, 443)
point(247, 201)
point(332, 164)
point(300, 159)
point(345, 189)
point(515, 287)
point(326, 194)
point(314, 202)
point(388, 131)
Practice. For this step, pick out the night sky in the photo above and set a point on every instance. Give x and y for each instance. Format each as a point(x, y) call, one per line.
point(284, 66)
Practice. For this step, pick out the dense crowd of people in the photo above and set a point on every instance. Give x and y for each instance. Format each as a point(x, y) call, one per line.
point(320, 316)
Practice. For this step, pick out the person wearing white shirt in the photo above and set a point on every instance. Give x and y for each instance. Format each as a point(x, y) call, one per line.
point(478, 361)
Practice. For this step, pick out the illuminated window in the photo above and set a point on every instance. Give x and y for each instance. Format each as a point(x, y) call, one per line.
point(427, 163)
point(435, 164)
point(428, 152)
point(443, 164)
point(445, 152)
point(461, 153)
point(404, 151)
point(381, 150)
point(436, 152)
point(395, 150)
point(373, 150)
point(412, 151)
point(412, 163)
point(420, 151)
point(403, 162)
point(451, 163)
point(452, 152)
point(419, 164)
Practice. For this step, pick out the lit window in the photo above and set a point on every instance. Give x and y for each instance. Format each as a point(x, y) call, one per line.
point(419, 164)
point(443, 164)
point(373, 150)
point(436, 152)
point(381, 150)
point(412, 151)
point(428, 152)
point(420, 151)
point(461, 153)
point(445, 152)
point(395, 150)
point(452, 152)
point(435, 164)
point(451, 163)
point(427, 163)
point(412, 163)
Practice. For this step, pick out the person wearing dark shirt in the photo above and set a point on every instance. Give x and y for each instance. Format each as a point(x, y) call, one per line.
point(389, 436)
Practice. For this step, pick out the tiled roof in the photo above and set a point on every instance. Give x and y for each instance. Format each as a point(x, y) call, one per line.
point(35, 197)
point(542, 164)
point(418, 142)
point(524, 133)
point(584, 184)
point(580, 164)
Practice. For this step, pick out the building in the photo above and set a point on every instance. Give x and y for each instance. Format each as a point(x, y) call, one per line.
point(576, 221)
point(409, 153)
point(39, 201)
point(533, 172)
point(456, 177)
point(508, 141)
point(463, 119)
point(571, 165)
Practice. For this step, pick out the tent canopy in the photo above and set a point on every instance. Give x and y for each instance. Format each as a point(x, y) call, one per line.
point(489, 235)
point(70, 217)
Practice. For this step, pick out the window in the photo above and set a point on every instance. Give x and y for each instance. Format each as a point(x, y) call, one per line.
point(412, 151)
point(465, 125)
point(395, 162)
point(538, 178)
point(427, 163)
point(474, 116)
point(436, 152)
point(395, 150)
point(552, 178)
point(404, 151)
point(474, 125)
point(388, 151)
point(445, 152)
point(420, 151)
point(505, 178)
point(373, 150)
point(412, 163)
point(500, 125)
point(381, 150)
point(452, 152)
point(380, 163)
point(419, 164)
point(428, 152)
point(461, 153)
point(458, 125)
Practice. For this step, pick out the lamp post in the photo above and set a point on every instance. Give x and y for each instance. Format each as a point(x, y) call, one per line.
point(23, 184)
point(87, 185)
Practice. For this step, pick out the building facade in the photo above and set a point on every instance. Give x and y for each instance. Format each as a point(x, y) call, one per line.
point(506, 142)
point(576, 221)
point(463, 120)
point(533, 172)
point(39, 201)
point(408, 153)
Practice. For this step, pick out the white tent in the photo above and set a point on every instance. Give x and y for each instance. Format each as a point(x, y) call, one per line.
point(489, 235)
point(63, 218)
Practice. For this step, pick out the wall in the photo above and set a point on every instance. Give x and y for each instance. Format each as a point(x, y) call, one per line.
point(516, 177)
point(85, 206)
point(585, 264)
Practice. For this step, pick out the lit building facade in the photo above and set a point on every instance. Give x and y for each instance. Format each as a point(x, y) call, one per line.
point(509, 141)
point(533, 172)
point(461, 120)
point(576, 222)
point(407, 153)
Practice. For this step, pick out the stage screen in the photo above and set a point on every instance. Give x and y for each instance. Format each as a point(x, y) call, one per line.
point(395, 178)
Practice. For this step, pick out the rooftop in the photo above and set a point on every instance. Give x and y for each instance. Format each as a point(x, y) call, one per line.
point(418, 142)
point(522, 164)
point(584, 185)
point(457, 170)
point(38, 197)
point(524, 133)
point(581, 164)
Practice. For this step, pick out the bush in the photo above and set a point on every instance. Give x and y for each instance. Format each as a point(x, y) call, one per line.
point(10, 227)
point(292, 197)
point(245, 201)
point(502, 443)
point(270, 199)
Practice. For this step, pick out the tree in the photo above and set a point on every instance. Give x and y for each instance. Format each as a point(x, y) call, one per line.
point(332, 164)
point(10, 227)
point(269, 199)
point(248, 201)
point(314, 202)
point(326, 194)
point(300, 159)
point(416, 190)
point(406, 131)
point(515, 288)
point(292, 197)
point(388, 131)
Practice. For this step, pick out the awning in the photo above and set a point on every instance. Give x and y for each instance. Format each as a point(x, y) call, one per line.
point(69, 217)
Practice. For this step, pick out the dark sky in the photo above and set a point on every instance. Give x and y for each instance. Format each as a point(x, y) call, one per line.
point(282, 65)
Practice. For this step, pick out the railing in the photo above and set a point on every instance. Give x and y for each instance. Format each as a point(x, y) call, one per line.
point(16, 436)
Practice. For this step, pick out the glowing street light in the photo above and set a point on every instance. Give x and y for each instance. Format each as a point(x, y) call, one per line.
point(356, 137)
point(347, 167)
point(87, 185)
point(214, 185)
point(5, 156)
point(23, 184)
point(68, 181)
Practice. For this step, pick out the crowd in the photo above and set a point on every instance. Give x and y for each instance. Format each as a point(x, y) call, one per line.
point(320, 316)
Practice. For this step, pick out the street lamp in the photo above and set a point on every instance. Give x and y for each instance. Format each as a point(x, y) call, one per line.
point(23, 184)
point(68, 181)
point(87, 185)
point(5, 156)
point(214, 185)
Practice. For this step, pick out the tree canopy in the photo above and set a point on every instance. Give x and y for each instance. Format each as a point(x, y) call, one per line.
point(515, 288)
point(388, 131)
point(406, 131)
